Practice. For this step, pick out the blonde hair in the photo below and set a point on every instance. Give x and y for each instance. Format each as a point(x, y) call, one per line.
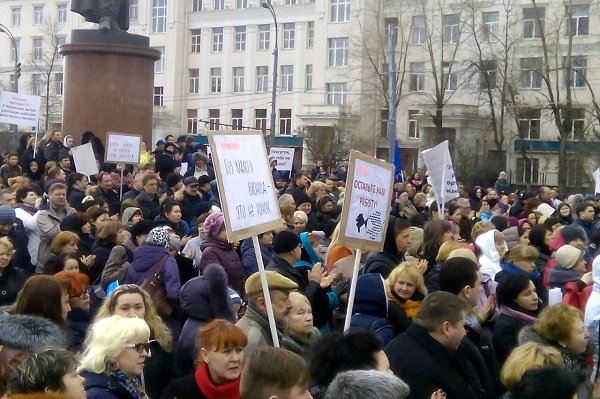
point(410, 270)
point(107, 339)
point(317, 185)
point(523, 252)
point(159, 329)
point(301, 215)
point(446, 248)
point(480, 228)
point(525, 357)
point(463, 252)
point(298, 299)
point(5, 242)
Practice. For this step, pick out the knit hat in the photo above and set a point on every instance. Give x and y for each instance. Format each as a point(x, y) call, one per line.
point(207, 297)
point(160, 237)
point(174, 243)
point(213, 223)
point(275, 281)
point(30, 333)
point(160, 142)
point(285, 241)
point(202, 180)
point(571, 233)
point(567, 256)
point(7, 215)
point(545, 209)
point(181, 139)
point(141, 227)
point(172, 179)
point(301, 198)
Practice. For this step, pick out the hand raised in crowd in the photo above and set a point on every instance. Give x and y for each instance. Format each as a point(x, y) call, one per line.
point(190, 254)
point(184, 240)
point(439, 394)
point(488, 309)
point(587, 278)
point(422, 265)
point(327, 280)
point(316, 273)
point(88, 260)
point(163, 198)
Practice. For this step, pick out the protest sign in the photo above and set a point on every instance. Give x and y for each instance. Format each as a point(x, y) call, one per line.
point(597, 179)
point(85, 160)
point(19, 109)
point(184, 168)
point(367, 202)
point(123, 148)
point(441, 173)
point(284, 156)
point(245, 183)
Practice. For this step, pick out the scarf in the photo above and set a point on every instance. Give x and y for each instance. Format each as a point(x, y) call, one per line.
point(230, 390)
point(131, 385)
point(515, 314)
point(511, 268)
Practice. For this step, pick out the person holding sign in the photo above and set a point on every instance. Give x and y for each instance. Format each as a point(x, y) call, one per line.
point(397, 241)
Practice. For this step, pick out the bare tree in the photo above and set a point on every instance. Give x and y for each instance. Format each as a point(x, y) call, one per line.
point(327, 143)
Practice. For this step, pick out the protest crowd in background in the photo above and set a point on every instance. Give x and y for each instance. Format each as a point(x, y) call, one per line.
point(142, 296)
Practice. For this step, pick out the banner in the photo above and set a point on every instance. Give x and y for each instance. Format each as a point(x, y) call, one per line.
point(284, 156)
point(123, 148)
point(367, 202)
point(85, 160)
point(441, 173)
point(597, 179)
point(19, 109)
point(245, 183)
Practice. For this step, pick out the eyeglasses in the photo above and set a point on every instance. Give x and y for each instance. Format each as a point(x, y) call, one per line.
point(140, 348)
point(83, 295)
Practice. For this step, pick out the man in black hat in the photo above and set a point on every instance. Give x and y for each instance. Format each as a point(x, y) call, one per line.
point(168, 161)
point(204, 187)
point(174, 183)
point(192, 204)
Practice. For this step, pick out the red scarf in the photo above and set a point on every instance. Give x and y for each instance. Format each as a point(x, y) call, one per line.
point(231, 390)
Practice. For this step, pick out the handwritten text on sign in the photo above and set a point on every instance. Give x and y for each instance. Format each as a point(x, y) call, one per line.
point(123, 148)
point(19, 109)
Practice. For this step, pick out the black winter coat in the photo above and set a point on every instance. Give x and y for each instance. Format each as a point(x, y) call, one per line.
point(11, 282)
point(19, 239)
point(505, 337)
point(102, 251)
point(192, 207)
point(76, 199)
point(426, 366)
point(150, 206)
point(158, 370)
point(183, 388)
point(78, 321)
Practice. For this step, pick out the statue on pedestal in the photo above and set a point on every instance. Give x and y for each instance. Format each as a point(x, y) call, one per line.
point(108, 14)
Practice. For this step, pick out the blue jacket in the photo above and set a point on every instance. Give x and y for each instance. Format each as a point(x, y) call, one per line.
point(249, 262)
point(102, 386)
point(371, 307)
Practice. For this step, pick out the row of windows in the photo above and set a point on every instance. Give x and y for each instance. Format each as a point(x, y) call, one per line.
point(532, 19)
point(37, 45)
point(413, 125)
point(38, 84)
point(530, 76)
point(38, 14)
point(237, 119)
point(339, 10)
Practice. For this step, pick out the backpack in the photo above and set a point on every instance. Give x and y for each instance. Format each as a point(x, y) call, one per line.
point(576, 298)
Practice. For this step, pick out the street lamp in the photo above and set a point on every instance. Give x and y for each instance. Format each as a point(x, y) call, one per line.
point(4, 29)
point(269, 6)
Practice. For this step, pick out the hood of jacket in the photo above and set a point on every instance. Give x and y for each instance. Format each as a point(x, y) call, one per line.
point(206, 297)
point(510, 268)
point(128, 214)
point(211, 242)
point(147, 256)
point(560, 275)
point(490, 258)
point(371, 298)
point(389, 244)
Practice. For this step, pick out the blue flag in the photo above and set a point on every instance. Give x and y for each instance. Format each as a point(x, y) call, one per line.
point(398, 163)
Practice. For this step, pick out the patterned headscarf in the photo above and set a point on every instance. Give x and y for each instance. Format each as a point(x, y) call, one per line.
point(159, 236)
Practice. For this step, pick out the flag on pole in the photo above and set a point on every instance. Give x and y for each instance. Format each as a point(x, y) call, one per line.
point(397, 163)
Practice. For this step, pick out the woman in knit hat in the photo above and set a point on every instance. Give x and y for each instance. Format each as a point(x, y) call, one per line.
point(519, 307)
point(571, 268)
point(216, 249)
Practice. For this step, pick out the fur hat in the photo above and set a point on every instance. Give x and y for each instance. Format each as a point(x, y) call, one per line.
point(213, 223)
point(285, 241)
point(301, 198)
point(567, 256)
point(30, 333)
point(207, 297)
point(160, 237)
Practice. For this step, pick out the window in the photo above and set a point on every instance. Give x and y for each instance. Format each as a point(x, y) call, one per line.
point(38, 15)
point(58, 84)
point(338, 51)
point(215, 80)
point(16, 16)
point(308, 84)
point(488, 74)
point(61, 13)
point(287, 77)
point(219, 5)
point(262, 79)
point(133, 10)
point(490, 26)
point(528, 170)
point(340, 10)
point(159, 16)
point(240, 38)
point(383, 124)
point(417, 76)
point(36, 84)
point(532, 28)
point(289, 35)
point(38, 50)
point(260, 119)
point(580, 21)
point(60, 40)
point(159, 65)
point(575, 75)
point(159, 93)
point(285, 122)
point(529, 123)
point(451, 31)
point(413, 124)
point(192, 121)
point(310, 34)
point(449, 77)
point(336, 93)
point(419, 31)
point(214, 116)
point(531, 77)
point(577, 124)
point(290, 2)
point(196, 40)
point(242, 4)
point(196, 5)
point(15, 49)
point(217, 40)
point(237, 118)
point(264, 37)
point(194, 80)
point(238, 79)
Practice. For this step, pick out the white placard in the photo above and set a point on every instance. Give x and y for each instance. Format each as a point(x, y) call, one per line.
point(245, 183)
point(85, 160)
point(19, 109)
point(123, 148)
point(184, 168)
point(367, 202)
point(284, 156)
point(597, 179)
point(441, 173)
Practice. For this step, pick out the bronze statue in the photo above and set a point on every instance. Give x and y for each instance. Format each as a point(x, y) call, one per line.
point(108, 14)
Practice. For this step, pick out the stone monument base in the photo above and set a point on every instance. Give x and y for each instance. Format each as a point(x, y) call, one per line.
point(108, 84)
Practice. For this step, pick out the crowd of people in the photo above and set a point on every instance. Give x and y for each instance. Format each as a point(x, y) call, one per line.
point(140, 295)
